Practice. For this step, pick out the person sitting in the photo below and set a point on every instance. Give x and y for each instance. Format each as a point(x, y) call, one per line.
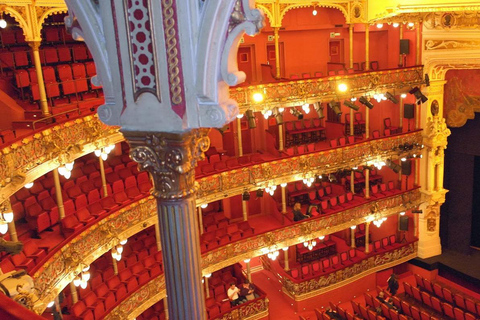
point(247, 291)
point(233, 296)
point(297, 212)
point(381, 296)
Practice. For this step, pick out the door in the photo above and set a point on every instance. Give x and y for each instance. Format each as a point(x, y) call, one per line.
point(335, 49)
point(271, 58)
point(246, 63)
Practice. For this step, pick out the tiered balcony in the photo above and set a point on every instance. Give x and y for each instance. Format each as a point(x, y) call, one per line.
point(30, 158)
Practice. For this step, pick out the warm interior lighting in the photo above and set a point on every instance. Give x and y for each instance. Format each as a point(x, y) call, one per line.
point(240, 115)
point(3, 227)
point(402, 213)
point(273, 255)
point(411, 24)
point(379, 25)
point(314, 12)
point(342, 87)
point(257, 97)
point(403, 95)
point(246, 260)
point(124, 242)
point(353, 227)
point(281, 109)
point(306, 108)
point(208, 275)
point(29, 185)
point(395, 24)
point(310, 244)
point(283, 185)
point(50, 304)
point(379, 222)
point(3, 22)
point(203, 206)
point(285, 248)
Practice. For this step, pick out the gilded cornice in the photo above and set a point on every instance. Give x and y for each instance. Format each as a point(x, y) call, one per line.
point(452, 44)
point(226, 184)
point(294, 93)
point(68, 261)
point(440, 9)
point(310, 288)
point(25, 160)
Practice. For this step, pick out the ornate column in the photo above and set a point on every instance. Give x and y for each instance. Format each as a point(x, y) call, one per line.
point(367, 183)
point(207, 289)
point(431, 169)
point(367, 237)
point(352, 181)
point(157, 237)
point(73, 291)
point(284, 197)
point(418, 60)
point(104, 179)
point(277, 52)
point(170, 158)
point(281, 141)
point(245, 210)
point(58, 194)
point(239, 137)
point(200, 220)
point(35, 45)
point(352, 236)
point(286, 261)
point(249, 273)
point(367, 123)
point(165, 68)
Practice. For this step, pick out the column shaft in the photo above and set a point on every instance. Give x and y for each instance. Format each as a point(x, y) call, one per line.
point(200, 220)
point(157, 236)
point(239, 137)
point(277, 52)
point(367, 183)
point(58, 194)
point(367, 123)
point(287, 263)
point(367, 237)
point(73, 291)
point(35, 45)
point(281, 144)
point(352, 238)
point(102, 175)
point(249, 273)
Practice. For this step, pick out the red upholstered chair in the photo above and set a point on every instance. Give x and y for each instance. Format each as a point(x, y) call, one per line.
point(459, 301)
point(70, 225)
point(84, 216)
point(294, 273)
point(23, 262)
point(448, 310)
point(32, 251)
point(79, 52)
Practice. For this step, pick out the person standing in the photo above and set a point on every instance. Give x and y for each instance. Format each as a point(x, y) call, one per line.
point(392, 284)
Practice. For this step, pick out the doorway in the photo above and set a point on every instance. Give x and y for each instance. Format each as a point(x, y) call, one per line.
point(246, 63)
point(271, 58)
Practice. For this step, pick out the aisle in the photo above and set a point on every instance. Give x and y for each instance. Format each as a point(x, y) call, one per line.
point(280, 307)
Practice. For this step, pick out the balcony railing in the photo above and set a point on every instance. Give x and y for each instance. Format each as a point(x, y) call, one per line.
point(300, 290)
point(89, 244)
point(233, 182)
point(297, 92)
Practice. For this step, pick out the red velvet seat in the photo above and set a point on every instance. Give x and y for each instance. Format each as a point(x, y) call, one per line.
point(84, 216)
point(23, 262)
point(32, 251)
point(70, 225)
point(37, 218)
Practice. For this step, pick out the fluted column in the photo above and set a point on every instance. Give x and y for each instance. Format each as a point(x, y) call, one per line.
point(239, 137)
point(35, 45)
point(200, 220)
point(170, 158)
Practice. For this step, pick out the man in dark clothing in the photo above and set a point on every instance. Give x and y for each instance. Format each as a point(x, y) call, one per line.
point(392, 284)
point(297, 213)
point(247, 291)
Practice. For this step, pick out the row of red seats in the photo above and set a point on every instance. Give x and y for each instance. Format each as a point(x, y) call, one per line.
point(326, 265)
point(106, 289)
point(97, 206)
point(304, 131)
point(359, 178)
point(366, 312)
point(387, 311)
point(218, 164)
point(454, 298)
point(21, 57)
point(155, 312)
point(74, 78)
point(344, 314)
point(11, 37)
point(435, 303)
point(30, 256)
point(233, 232)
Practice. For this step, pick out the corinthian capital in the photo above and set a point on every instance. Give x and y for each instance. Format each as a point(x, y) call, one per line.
point(170, 158)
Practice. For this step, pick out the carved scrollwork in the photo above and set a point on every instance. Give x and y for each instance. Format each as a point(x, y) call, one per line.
point(170, 158)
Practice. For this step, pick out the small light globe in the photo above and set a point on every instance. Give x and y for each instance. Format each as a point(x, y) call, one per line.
point(3, 23)
point(3, 228)
point(395, 24)
point(314, 12)
point(29, 185)
point(379, 25)
point(50, 304)
point(8, 216)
